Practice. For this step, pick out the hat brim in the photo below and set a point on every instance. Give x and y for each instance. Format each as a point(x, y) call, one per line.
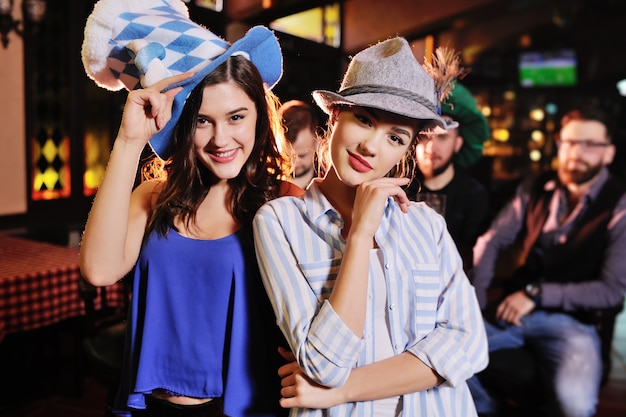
point(259, 45)
point(327, 100)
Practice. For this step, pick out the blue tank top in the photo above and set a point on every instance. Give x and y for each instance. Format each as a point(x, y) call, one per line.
point(200, 325)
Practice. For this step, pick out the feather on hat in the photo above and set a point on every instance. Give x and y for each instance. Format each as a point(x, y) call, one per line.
point(458, 103)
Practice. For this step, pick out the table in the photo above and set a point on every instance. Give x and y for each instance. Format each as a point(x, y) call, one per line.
point(39, 285)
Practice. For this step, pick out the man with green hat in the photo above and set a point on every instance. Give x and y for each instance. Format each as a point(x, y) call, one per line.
point(443, 154)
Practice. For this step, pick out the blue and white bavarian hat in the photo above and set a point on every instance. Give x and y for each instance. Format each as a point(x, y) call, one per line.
point(136, 43)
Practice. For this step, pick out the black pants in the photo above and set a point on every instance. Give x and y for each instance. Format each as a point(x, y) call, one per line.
point(156, 407)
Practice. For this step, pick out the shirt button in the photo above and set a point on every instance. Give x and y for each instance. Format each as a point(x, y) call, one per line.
point(387, 266)
point(392, 306)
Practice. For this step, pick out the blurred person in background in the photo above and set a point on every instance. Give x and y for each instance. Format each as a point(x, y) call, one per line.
point(569, 282)
point(300, 122)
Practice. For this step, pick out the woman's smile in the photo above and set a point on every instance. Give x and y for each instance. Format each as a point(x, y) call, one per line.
point(224, 157)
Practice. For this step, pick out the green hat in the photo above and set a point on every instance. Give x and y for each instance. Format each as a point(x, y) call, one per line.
point(472, 124)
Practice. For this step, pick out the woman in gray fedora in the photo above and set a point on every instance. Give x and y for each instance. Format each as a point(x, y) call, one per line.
point(367, 286)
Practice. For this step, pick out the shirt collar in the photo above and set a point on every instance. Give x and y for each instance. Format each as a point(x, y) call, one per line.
point(318, 205)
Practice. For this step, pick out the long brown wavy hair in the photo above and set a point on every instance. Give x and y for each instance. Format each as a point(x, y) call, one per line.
point(188, 181)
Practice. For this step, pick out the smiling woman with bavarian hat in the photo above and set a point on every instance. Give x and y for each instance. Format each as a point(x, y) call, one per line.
point(201, 338)
point(368, 287)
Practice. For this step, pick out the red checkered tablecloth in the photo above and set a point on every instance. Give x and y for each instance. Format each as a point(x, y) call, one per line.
point(39, 285)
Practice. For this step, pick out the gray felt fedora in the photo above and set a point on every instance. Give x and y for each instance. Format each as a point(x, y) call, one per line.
point(385, 76)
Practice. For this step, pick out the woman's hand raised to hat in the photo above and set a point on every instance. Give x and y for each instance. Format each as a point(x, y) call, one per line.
point(147, 110)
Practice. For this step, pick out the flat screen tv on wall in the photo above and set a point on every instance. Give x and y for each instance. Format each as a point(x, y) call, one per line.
point(554, 68)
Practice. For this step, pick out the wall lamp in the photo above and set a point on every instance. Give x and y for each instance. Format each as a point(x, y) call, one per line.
point(32, 10)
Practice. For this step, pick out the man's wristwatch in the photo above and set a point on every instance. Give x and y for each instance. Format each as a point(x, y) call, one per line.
point(533, 291)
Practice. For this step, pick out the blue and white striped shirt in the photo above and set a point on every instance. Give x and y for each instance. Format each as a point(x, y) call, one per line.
point(433, 312)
